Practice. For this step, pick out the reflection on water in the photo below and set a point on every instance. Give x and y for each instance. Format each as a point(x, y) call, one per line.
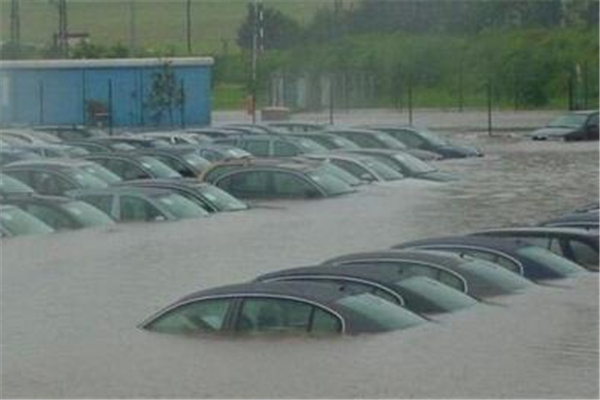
point(70, 301)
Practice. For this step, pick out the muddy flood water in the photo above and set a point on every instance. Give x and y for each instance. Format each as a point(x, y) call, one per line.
point(71, 301)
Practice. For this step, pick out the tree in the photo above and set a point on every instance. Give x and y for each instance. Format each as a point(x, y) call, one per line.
point(280, 31)
point(165, 96)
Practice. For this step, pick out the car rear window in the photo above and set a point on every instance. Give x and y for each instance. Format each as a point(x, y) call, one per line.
point(556, 263)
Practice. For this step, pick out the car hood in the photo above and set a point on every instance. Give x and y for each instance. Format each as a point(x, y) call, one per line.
point(551, 133)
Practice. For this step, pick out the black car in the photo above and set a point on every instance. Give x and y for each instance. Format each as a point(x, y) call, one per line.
point(585, 220)
point(61, 213)
point(406, 164)
point(577, 245)
point(277, 179)
point(210, 197)
point(130, 166)
point(473, 276)
point(577, 125)
point(533, 262)
point(131, 203)
point(420, 294)
point(16, 222)
point(281, 307)
point(55, 176)
point(423, 139)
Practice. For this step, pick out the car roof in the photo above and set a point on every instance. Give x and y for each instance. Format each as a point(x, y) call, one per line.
point(549, 230)
point(506, 245)
point(122, 190)
point(172, 150)
point(318, 292)
point(164, 182)
point(288, 163)
point(429, 256)
point(53, 163)
point(37, 198)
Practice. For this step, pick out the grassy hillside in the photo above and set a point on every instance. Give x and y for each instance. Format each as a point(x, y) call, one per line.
point(159, 23)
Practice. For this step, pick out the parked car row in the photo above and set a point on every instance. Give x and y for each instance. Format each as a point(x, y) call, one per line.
point(388, 289)
point(170, 175)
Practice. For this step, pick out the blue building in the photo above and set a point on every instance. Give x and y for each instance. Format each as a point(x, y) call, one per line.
point(115, 92)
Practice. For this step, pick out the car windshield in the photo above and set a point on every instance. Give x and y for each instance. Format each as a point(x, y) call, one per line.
point(310, 146)
point(86, 180)
point(180, 207)
point(496, 275)
point(12, 185)
point(569, 121)
point(556, 263)
point(222, 200)
point(441, 295)
point(102, 173)
point(432, 137)
point(342, 174)
point(390, 141)
point(387, 173)
point(158, 168)
point(331, 183)
point(200, 163)
point(18, 222)
point(413, 164)
point(387, 315)
point(86, 214)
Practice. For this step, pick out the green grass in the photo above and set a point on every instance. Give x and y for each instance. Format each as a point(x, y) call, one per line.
point(229, 96)
point(158, 24)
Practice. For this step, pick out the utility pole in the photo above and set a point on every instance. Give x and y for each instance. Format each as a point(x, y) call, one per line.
point(257, 47)
point(132, 30)
point(188, 14)
point(62, 39)
point(15, 25)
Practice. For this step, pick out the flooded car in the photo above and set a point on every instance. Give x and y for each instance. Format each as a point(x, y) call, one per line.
point(134, 166)
point(420, 294)
point(585, 220)
point(577, 245)
point(578, 125)
point(475, 277)
point(283, 308)
point(533, 262)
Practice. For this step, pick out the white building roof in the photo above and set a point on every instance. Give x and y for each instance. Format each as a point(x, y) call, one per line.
point(107, 63)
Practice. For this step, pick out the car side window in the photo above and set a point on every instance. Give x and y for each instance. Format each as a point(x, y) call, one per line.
point(283, 149)
point(324, 322)
point(353, 168)
point(125, 170)
point(410, 139)
point(177, 165)
point(583, 253)
point(46, 183)
point(103, 203)
point(246, 184)
point(137, 209)
point(288, 185)
point(273, 315)
point(495, 258)
point(200, 316)
point(364, 140)
point(259, 148)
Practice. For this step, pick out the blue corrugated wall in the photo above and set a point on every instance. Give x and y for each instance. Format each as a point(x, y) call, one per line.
point(57, 96)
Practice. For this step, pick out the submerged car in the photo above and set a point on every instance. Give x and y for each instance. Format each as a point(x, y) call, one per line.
point(533, 262)
point(268, 145)
point(61, 213)
point(10, 186)
point(125, 204)
point(584, 220)
point(183, 159)
point(362, 167)
point(407, 165)
point(130, 166)
point(264, 179)
point(281, 307)
point(210, 197)
point(423, 139)
point(55, 176)
point(577, 125)
point(577, 245)
point(16, 222)
point(420, 294)
point(475, 277)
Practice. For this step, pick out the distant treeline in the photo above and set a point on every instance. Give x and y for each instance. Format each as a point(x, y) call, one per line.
point(533, 53)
